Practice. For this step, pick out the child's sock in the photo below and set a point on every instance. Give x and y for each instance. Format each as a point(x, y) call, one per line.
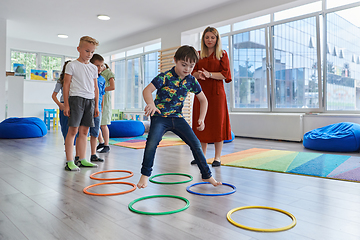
point(84, 163)
point(70, 166)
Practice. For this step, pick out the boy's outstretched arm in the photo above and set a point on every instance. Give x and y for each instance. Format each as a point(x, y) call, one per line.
point(150, 107)
point(203, 109)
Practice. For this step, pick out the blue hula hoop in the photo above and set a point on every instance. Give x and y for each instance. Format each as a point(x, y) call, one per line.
point(211, 194)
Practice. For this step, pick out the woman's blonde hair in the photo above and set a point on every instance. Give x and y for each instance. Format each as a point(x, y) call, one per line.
point(218, 49)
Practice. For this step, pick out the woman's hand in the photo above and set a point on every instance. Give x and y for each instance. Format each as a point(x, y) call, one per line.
point(204, 73)
point(151, 109)
point(201, 124)
point(201, 75)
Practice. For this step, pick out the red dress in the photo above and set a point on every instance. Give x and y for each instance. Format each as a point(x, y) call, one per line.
point(217, 123)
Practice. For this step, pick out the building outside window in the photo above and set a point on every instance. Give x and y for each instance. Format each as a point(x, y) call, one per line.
point(343, 60)
point(294, 58)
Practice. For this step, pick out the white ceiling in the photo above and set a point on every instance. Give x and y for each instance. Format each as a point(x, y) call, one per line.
point(43, 20)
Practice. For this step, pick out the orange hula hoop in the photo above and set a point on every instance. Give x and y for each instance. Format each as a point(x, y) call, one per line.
point(111, 179)
point(109, 194)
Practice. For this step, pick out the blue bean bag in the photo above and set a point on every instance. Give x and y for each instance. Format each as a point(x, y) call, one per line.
point(126, 128)
point(338, 137)
point(30, 127)
point(232, 138)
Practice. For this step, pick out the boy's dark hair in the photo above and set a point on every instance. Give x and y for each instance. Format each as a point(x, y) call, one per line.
point(187, 53)
point(97, 57)
point(62, 74)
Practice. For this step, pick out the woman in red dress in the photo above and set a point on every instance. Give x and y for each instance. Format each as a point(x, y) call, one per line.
point(211, 70)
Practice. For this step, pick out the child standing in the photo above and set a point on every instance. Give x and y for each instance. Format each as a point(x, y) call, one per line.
point(58, 87)
point(166, 112)
point(98, 61)
point(109, 76)
point(81, 95)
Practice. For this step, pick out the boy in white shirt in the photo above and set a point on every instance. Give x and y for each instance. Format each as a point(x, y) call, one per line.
point(81, 95)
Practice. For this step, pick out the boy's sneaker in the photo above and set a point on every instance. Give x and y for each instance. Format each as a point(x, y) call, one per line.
point(84, 163)
point(95, 158)
point(100, 146)
point(105, 149)
point(70, 166)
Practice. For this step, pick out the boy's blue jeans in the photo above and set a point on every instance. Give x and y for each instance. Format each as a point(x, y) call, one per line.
point(158, 127)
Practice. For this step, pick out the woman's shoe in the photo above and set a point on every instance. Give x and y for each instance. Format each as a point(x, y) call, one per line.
point(216, 163)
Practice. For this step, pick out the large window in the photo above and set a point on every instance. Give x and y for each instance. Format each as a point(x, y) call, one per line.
point(52, 64)
point(249, 69)
point(343, 60)
point(25, 61)
point(302, 59)
point(134, 84)
point(134, 70)
point(295, 64)
point(120, 84)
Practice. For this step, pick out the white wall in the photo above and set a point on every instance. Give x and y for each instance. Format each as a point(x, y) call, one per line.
point(29, 98)
point(2, 67)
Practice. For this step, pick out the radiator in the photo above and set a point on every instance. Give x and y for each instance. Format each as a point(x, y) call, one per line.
point(280, 126)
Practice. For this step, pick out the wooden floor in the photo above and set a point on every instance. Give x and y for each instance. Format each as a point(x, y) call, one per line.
point(40, 200)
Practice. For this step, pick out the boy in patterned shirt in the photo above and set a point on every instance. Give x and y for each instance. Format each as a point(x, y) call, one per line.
point(166, 112)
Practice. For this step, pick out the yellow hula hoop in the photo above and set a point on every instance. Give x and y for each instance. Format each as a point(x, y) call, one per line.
point(228, 216)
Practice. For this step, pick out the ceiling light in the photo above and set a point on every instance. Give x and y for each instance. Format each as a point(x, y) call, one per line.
point(103, 17)
point(63, 36)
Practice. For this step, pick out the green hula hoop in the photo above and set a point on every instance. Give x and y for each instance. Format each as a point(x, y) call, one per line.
point(159, 213)
point(163, 174)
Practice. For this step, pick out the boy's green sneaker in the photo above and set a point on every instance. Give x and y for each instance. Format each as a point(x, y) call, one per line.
point(70, 166)
point(84, 163)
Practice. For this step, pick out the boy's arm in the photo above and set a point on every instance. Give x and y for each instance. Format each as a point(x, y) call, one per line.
point(66, 89)
point(112, 85)
point(96, 111)
point(203, 109)
point(150, 108)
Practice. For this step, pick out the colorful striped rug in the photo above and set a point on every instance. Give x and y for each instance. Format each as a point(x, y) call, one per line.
point(140, 142)
point(304, 163)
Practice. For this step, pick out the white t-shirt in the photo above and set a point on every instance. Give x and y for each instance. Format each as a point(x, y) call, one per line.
point(82, 80)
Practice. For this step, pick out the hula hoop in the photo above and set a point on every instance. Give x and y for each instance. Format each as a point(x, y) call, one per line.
point(159, 213)
point(211, 194)
point(163, 174)
point(93, 174)
point(228, 216)
point(109, 194)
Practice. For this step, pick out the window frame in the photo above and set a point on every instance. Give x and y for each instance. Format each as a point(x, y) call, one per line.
point(142, 82)
point(272, 68)
point(38, 60)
